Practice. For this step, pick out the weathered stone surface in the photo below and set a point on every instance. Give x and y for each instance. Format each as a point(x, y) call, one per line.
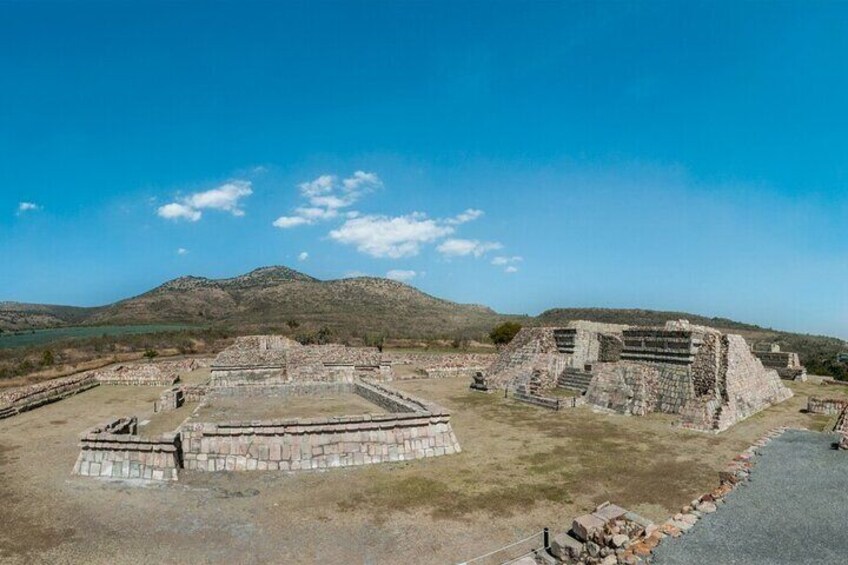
point(607, 512)
point(586, 525)
point(566, 547)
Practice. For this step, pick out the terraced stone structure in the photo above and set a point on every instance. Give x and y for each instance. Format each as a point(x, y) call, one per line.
point(711, 379)
point(550, 351)
point(786, 363)
point(277, 359)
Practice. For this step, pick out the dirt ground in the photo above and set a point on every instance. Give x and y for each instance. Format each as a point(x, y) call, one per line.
point(522, 468)
point(319, 406)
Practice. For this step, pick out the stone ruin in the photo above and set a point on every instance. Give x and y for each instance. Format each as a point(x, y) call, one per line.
point(271, 367)
point(161, 373)
point(786, 363)
point(711, 379)
point(552, 353)
point(277, 359)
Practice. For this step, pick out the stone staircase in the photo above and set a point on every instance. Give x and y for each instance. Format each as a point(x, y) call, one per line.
point(575, 379)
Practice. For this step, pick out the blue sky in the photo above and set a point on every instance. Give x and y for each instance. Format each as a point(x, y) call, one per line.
point(674, 155)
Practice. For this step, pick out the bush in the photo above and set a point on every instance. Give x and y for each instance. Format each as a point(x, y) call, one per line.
point(151, 353)
point(47, 359)
point(504, 333)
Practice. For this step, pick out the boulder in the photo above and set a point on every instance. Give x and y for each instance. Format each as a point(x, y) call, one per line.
point(566, 547)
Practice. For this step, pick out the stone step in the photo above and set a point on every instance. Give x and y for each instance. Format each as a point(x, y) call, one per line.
point(574, 380)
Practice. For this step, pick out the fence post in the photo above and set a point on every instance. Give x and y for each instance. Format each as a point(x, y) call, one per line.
point(546, 540)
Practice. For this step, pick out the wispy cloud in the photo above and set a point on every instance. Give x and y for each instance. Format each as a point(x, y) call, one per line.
point(393, 237)
point(326, 197)
point(401, 275)
point(511, 269)
point(303, 256)
point(468, 216)
point(182, 251)
point(24, 207)
point(465, 247)
point(500, 261)
point(225, 198)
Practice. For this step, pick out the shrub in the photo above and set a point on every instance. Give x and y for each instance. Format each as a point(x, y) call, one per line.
point(503, 334)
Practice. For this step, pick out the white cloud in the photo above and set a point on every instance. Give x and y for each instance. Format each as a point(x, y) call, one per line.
point(24, 207)
point(500, 261)
point(182, 251)
point(225, 198)
point(303, 256)
point(469, 215)
point(284, 222)
point(326, 196)
point(382, 236)
point(511, 269)
point(400, 275)
point(360, 180)
point(321, 185)
point(463, 247)
point(177, 211)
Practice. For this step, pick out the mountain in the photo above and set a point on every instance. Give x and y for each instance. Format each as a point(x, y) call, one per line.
point(21, 316)
point(276, 295)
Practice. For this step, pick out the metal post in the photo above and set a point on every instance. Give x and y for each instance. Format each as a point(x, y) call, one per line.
point(546, 540)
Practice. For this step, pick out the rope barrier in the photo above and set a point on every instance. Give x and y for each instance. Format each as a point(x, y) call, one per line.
point(539, 533)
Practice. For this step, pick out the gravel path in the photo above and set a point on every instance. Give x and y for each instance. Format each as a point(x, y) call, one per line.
point(793, 510)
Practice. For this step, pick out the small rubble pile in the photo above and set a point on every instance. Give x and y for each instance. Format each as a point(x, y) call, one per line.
point(842, 429)
point(609, 535)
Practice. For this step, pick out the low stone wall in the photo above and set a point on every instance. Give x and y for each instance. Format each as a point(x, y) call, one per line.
point(390, 400)
point(160, 373)
point(828, 406)
point(321, 443)
point(171, 399)
point(26, 398)
point(280, 390)
point(440, 361)
point(113, 450)
point(549, 402)
point(412, 429)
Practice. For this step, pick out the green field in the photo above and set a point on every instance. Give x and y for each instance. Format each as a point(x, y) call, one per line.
point(41, 337)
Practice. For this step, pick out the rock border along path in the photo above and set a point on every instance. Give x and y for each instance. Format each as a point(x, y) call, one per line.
point(611, 535)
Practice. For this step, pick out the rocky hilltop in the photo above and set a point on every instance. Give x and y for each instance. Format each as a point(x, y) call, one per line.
point(275, 295)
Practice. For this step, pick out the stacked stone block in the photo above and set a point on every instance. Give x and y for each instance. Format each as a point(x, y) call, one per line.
point(113, 450)
point(26, 398)
point(711, 379)
point(412, 429)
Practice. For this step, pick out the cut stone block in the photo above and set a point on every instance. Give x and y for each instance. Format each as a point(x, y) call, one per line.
point(609, 512)
point(566, 547)
point(584, 526)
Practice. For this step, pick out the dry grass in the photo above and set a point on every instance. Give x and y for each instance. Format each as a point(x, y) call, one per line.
point(521, 468)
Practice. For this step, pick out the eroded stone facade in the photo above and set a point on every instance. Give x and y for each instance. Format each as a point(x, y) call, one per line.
point(277, 359)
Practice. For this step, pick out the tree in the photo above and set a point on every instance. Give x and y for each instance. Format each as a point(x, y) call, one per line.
point(151, 353)
point(47, 358)
point(504, 333)
point(292, 324)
